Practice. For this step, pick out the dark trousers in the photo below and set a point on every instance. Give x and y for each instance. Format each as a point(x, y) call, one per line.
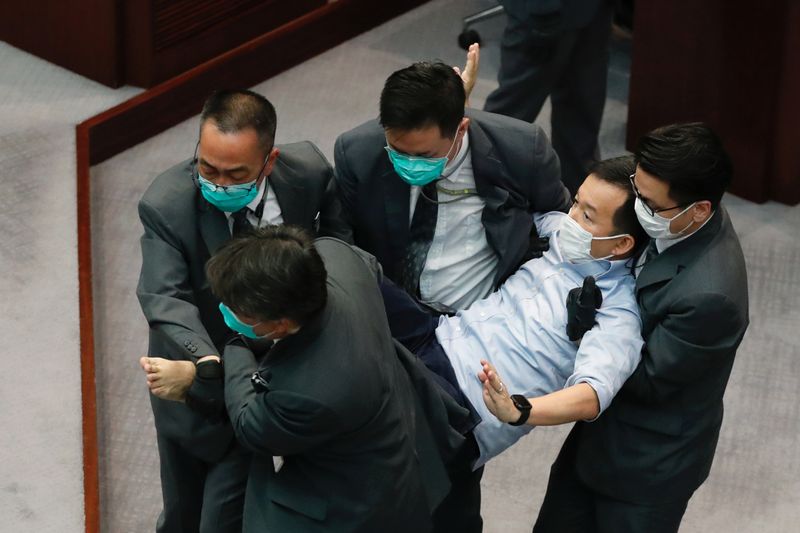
point(571, 507)
point(573, 72)
point(201, 497)
point(415, 328)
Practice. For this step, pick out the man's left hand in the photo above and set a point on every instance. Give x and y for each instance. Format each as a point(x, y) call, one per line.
point(495, 394)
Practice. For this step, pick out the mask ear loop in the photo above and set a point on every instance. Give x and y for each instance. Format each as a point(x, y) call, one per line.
point(681, 213)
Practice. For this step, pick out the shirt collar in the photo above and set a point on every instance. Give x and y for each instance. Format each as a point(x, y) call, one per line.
point(458, 161)
point(262, 188)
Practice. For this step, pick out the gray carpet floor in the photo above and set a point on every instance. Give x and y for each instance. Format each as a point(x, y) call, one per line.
point(41, 455)
point(755, 482)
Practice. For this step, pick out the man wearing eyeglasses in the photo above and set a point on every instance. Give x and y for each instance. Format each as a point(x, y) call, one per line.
point(636, 467)
point(237, 180)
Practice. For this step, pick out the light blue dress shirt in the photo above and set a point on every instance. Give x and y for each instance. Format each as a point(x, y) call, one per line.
point(521, 329)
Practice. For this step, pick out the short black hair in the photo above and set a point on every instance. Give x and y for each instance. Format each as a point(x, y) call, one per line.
point(235, 110)
point(690, 158)
point(617, 172)
point(423, 95)
point(269, 274)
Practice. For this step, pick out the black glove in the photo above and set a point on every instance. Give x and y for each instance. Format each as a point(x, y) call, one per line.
point(582, 305)
point(536, 245)
point(206, 395)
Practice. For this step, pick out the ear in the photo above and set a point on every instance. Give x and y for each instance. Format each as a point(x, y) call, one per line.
point(288, 326)
point(624, 246)
point(701, 211)
point(271, 158)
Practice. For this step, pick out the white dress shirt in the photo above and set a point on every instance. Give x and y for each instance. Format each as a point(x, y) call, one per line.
point(521, 329)
point(272, 211)
point(460, 266)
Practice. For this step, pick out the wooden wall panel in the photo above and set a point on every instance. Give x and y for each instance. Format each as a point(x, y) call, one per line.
point(164, 38)
point(723, 62)
point(81, 36)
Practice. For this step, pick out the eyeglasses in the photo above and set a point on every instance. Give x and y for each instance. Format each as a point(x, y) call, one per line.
point(646, 206)
point(227, 189)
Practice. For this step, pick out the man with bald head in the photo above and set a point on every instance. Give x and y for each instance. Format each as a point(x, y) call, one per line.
point(236, 180)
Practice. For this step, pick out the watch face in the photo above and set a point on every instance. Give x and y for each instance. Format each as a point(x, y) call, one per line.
point(209, 369)
point(521, 402)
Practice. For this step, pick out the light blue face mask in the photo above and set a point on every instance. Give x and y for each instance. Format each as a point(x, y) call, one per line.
point(233, 322)
point(418, 171)
point(231, 198)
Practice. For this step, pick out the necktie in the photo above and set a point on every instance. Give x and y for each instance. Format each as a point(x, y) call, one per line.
point(240, 222)
point(649, 253)
point(423, 225)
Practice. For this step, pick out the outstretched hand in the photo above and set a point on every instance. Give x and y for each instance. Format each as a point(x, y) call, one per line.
point(469, 74)
point(496, 395)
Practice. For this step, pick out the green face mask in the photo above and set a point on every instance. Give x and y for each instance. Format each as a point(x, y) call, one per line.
point(231, 198)
point(233, 322)
point(418, 171)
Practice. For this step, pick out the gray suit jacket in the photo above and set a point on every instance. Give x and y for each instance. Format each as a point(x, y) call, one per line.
point(359, 453)
point(656, 441)
point(181, 231)
point(516, 173)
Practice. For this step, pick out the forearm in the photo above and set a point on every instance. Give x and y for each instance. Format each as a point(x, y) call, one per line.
point(578, 402)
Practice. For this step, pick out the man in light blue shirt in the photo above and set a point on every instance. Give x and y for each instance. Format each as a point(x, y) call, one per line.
point(521, 327)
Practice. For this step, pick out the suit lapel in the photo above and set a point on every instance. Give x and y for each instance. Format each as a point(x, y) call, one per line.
point(396, 196)
point(290, 195)
point(487, 169)
point(213, 225)
point(490, 173)
point(668, 264)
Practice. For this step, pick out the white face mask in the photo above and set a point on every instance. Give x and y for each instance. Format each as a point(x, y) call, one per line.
point(576, 243)
point(657, 226)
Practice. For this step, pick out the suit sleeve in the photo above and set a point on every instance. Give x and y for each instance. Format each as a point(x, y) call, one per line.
point(332, 222)
point(695, 338)
point(164, 291)
point(546, 192)
point(272, 422)
point(346, 184)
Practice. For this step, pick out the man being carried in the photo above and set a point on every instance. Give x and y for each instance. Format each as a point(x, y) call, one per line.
point(522, 329)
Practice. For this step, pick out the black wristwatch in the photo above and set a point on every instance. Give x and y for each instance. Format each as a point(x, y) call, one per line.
point(209, 369)
point(524, 406)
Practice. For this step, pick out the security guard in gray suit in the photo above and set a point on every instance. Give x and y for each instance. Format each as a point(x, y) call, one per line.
point(557, 48)
point(635, 468)
point(330, 411)
point(238, 179)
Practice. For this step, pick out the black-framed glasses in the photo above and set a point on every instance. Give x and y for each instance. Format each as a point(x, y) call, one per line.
point(650, 210)
point(227, 189)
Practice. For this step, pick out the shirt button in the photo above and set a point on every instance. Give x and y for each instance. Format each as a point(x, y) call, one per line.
point(483, 314)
